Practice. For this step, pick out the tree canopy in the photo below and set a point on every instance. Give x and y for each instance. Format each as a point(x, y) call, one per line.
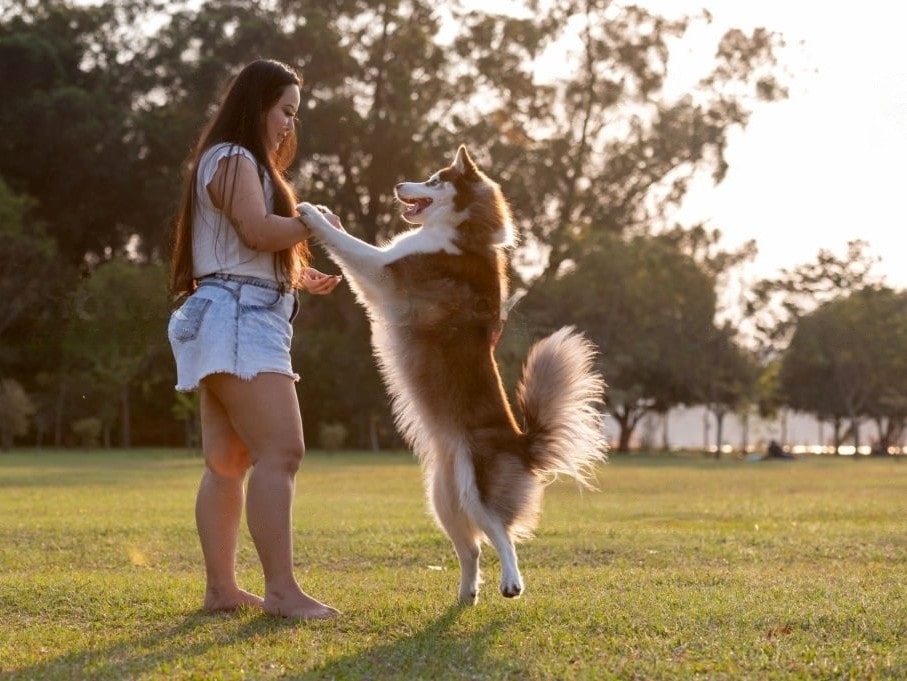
point(846, 362)
point(592, 158)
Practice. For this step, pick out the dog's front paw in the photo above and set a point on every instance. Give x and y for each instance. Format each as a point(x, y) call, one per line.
point(511, 587)
point(313, 217)
point(309, 213)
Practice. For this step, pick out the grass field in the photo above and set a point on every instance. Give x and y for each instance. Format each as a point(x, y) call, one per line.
point(677, 569)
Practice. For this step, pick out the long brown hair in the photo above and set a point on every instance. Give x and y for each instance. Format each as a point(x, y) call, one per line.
point(239, 120)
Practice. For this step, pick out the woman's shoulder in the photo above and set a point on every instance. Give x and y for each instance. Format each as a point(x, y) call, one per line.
point(214, 154)
point(221, 150)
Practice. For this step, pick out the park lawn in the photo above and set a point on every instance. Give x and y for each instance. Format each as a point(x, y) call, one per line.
point(678, 568)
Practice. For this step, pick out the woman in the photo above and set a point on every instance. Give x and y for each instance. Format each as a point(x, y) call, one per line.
point(239, 254)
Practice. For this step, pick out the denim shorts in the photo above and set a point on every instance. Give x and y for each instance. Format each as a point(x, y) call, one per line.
point(235, 325)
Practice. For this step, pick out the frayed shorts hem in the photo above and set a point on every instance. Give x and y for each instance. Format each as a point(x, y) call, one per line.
point(244, 377)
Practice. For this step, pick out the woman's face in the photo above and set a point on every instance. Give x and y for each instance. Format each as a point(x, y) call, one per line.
point(280, 118)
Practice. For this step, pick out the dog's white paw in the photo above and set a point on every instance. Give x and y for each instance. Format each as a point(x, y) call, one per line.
point(306, 209)
point(511, 586)
point(468, 596)
point(312, 216)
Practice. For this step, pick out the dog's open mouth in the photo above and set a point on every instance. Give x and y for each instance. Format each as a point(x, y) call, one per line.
point(414, 206)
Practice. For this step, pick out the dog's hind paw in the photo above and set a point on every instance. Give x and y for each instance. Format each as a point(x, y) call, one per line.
point(469, 597)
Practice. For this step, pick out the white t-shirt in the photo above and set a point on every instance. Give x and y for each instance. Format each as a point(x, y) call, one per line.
point(216, 247)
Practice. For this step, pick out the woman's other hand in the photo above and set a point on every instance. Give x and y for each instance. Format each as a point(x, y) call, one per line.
point(318, 283)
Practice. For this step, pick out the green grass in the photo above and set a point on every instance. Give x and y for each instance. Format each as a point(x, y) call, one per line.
point(677, 569)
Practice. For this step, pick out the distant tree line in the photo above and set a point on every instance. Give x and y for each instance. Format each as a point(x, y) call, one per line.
point(101, 107)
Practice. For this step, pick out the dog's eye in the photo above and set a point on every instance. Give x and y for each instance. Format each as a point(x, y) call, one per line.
point(433, 182)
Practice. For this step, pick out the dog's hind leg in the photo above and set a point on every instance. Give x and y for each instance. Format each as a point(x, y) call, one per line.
point(511, 580)
point(462, 533)
point(488, 522)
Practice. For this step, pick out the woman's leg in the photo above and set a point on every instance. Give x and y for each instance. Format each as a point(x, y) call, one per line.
point(265, 415)
point(218, 507)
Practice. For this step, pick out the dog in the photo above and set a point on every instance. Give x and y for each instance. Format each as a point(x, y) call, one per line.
point(434, 296)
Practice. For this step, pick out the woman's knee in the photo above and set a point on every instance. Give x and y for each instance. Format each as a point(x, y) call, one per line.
point(285, 456)
point(230, 462)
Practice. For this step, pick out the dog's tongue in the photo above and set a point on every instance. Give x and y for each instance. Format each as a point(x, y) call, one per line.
point(417, 207)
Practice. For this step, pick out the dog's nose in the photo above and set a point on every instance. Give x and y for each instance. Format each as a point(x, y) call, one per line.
point(397, 187)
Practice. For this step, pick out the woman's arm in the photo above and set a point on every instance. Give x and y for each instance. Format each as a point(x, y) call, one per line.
point(236, 190)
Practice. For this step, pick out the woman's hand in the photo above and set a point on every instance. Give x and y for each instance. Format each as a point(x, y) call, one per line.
point(332, 218)
point(318, 283)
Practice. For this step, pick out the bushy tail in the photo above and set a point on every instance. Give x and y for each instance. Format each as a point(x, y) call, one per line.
point(560, 397)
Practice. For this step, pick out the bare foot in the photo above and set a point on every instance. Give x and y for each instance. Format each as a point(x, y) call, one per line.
point(300, 606)
point(227, 601)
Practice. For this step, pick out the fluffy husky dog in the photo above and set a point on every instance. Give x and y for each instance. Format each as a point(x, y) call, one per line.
point(434, 297)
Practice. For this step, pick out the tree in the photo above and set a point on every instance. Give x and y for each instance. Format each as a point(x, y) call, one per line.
point(846, 360)
point(603, 150)
point(774, 306)
point(15, 411)
point(27, 260)
point(372, 95)
point(585, 153)
point(62, 74)
point(33, 282)
point(119, 328)
point(340, 380)
point(769, 394)
point(390, 90)
point(649, 308)
point(727, 379)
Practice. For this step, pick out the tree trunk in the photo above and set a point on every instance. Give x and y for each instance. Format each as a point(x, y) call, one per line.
point(623, 439)
point(58, 412)
point(719, 431)
point(126, 432)
point(665, 440)
point(627, 419)
point(373, 421)
point(745, 431)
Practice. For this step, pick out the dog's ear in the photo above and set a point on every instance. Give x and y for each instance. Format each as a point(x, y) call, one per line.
point(464, 164)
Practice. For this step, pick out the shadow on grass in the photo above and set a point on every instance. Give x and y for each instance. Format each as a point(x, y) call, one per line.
point(435, 652)
point(172, 652)
point(160, 650)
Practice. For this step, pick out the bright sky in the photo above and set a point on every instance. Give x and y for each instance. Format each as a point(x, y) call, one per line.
point(827, 165)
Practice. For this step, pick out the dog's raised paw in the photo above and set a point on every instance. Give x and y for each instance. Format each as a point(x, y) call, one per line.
point(307, 210)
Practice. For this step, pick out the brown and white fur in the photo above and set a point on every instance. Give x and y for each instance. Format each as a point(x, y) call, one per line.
point(434, 297)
